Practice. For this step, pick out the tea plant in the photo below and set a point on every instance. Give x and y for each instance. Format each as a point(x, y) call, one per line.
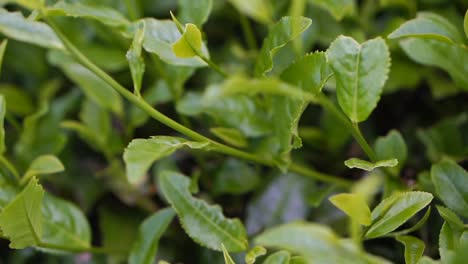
point(123, 125)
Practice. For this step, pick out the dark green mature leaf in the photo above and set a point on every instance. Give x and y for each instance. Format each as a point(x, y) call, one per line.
point(338, 8)
point(102, 14)
point(64, 224)
point(135, 58)
point(440, 54)
point(260, 10)
point(159, 37)
point(414, 248)
point(21, 220)
point(317, 243)
point(150, 231)
point(205, 224)
point(428, 25)
point(360, 72)
point(283, 32)
point(15, 26)
point(235, 177)
point(450, 217)
point(254, 253)
point(3, 46)
point(392, 146)
point(369, 166)
point(395, 211)
point(94, 87)
point(195, 11)
point(283, 200)
point(19, 102)
point(448, 242)
point(450, 183)
point(280, 257)
point(141, 153)
point(354, 205)
point(2, 124)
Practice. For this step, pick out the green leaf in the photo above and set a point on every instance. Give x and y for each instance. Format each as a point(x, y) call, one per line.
point(45, 164)
point(64, 224)
point(195, 11)
point(283, 32)
point(15, 26)
point(428, 25)
point(205, 224)
point(19, 102)
point(392, 146)
point(190, 43)
point(30, 4)
point(450, 183)
point(235, 177)
point(317, 243)
point(448, 242)
point(254, 253)
point(369, 166)
point(104, 95)
point(2, 124)
point(395, 210)
point(159, 37)
point(141, 153)
point(354, 205)
point(3, 46)
point(21, 220)
point(450, 217)
point(150, 231)
point(103, 14)
point(280, 257)
point(338, 8)
point(465, 23)
point(260, 10)
point(230, 135)
point(440, 54)
point(360, 72)
point(414, 248)
point(135, 58)
point(227, 257)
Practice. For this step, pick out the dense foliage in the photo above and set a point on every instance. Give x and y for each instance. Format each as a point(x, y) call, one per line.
point(234, 131)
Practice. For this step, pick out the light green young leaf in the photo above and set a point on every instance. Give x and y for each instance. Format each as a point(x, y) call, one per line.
point(45, 164)
point(19, 102)
point(392, 146)
point(231, 136)
point(254, 253)
point(450, 183)
point(3, 46)
point(260, 10)
point(21, 220)
point(395, 211)
point(450, 217)
point(338, 8)
point(227, 257)
point(429, 25)
point(205, 224)
point(190, 43)
point(15, 26)
point(159, 37)
point(414, 248)
point(317, 243)
point(195, 11)
point(450, 58)
point(354, 205)
point(283, 32)
point(369, 166)
point(465, 23)
point(280, 257)
point(135, 58)
point(360, 72)
point(150, 231)
point(141, 153)
point(103, 14)
point(64, 224)
point(2, 124)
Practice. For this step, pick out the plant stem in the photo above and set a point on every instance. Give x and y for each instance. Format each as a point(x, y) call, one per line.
point(353, 128)
point(248, 32)
point(221, 148)
point(212, 65)
point(9, 166)
point(97, 250)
